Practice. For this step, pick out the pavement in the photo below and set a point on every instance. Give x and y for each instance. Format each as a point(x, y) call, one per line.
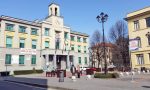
point(139, 82)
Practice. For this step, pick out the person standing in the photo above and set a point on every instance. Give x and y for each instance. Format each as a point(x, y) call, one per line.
point(78, 71)
point(73, 70)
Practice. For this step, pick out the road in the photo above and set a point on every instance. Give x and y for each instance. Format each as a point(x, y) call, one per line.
point(4, 85)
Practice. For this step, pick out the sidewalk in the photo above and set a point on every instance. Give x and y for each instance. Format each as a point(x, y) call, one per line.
point(83, 84)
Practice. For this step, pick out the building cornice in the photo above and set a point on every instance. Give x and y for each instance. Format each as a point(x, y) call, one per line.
point(79, 33)
point(138, 13)
point(17, 20)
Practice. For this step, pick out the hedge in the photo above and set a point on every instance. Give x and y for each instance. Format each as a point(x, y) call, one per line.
point(108, 75)
point(23, 72)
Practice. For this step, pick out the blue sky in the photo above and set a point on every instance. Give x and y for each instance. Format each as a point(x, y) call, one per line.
point(80, 15)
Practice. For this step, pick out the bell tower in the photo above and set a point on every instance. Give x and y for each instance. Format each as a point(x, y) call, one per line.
point(54, 10)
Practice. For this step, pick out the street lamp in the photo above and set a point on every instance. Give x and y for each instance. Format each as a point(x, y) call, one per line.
point(101, 19)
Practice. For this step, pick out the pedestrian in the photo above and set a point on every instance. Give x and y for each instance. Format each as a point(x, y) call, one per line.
point(78, 71)
point(73, 70)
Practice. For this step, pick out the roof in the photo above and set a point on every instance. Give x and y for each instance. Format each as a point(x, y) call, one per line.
point(79, 33)
point(137, 13)
point(54, 4)
point(17, 20)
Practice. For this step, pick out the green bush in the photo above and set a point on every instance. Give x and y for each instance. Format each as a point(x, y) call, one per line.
point(109, 75)
point(24, 72)
point(39, 71)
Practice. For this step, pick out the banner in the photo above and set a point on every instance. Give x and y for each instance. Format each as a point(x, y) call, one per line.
point(28, 51)
point(133, 44)
point(15, 59)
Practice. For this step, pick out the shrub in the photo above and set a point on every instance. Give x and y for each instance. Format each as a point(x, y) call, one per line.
point(109, 75)
point(24, 72)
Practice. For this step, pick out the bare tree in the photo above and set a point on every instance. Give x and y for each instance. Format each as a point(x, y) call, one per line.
point(96, 49)
point(118, 35)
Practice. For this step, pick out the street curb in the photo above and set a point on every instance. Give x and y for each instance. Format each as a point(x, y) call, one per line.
point(42, 86)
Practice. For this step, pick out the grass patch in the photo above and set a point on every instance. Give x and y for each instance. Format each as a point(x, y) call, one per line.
point(108, 75)
point(24, 72)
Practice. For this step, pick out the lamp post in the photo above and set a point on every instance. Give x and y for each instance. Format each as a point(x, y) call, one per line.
point(101, 19)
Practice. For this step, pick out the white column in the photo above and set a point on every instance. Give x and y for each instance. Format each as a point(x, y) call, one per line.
point(68, 61)
point(47, 59)
point(73, 62)
point(54, 61)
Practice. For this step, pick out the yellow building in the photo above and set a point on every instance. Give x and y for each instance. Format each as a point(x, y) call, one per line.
point(139, 29)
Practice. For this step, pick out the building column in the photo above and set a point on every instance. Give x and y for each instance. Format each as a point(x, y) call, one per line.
point(73, 61)
point(54, 61)
point(47, 59)
point(68, 61)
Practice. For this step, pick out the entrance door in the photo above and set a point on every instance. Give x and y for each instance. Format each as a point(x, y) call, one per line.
point(58, 62)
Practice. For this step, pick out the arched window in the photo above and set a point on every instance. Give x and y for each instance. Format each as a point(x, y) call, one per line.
point(55, 11)
point(148, 37)
point(139, 41)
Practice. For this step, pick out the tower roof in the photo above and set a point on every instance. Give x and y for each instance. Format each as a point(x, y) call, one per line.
point(53, 4)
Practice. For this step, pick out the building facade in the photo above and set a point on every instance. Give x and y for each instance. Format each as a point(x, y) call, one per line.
point(139, 29)
point(97, 55)
point(25, 45)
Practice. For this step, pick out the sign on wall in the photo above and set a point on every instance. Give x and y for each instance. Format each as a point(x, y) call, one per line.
point(28, 51)
point(15, 59)
point(133, 44)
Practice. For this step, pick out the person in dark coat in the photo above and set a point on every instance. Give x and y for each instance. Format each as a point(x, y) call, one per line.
point(73, 70)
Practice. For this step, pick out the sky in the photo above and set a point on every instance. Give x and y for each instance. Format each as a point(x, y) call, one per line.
point(80, 15)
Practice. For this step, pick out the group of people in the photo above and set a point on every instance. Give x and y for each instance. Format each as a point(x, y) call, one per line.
point(51, 71)
point(75, 71)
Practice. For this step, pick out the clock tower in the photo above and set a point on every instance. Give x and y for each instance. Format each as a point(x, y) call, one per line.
point(54, 15)
point(54, 10)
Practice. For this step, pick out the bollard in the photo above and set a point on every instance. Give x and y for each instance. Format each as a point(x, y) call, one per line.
point(143, 71)
point(121, 74)
point(133, 73)
point(61, 76)
point(73, 78)
point(127, 73)
point(139, 72)
point(88, 77)
point(148, 71)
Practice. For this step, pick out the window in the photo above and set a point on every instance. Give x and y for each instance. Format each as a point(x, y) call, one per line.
point(78, 39)
point(33, 44)
point(21, 59)
point(84, 40)
point(8, 42)
point(148, 37)
point(85, 60)
point(46, 44)
point(79, 48)
point(148, 22)
point(139, 41)
point(72, 38)
point(84, 49)
point(33, 60)
point(66, 35)
point(22, 29)
point(55, 11)
point(34, 31)
point(57, 45)
point(46, 32)
point(9, 27)
point(149, 56)
point(22, 43)
point(136, 25)
point(8, 59)
point(140, 59)
point(79, 60)
point(72, 47)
